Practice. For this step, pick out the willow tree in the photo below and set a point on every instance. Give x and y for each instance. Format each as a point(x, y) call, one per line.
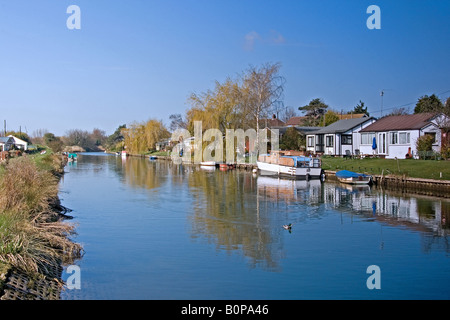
point(218, 108)
point(142, 137)
point(261, 91)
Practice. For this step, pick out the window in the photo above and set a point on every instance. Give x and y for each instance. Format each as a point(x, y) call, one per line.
point(367, 138)
point(404, 138)
point(394, 138)
point(310, 141)
point(346, 139)
point(329, 141)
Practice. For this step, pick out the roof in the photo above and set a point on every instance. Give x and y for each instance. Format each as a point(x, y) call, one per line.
point(272, 122)
point(18, 141)
point(296, 121)
point(351, 116)
point(343, 125)
point(303, 130)
point(401, 122)
point(6, 139)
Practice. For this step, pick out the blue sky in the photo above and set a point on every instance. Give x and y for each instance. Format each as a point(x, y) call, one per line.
point(140, 59)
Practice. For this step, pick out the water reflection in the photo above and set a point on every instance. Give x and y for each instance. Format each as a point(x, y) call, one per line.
point(240, 211)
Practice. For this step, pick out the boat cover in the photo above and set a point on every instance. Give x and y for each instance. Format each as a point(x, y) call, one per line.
point(298, 159)
point(350, 174)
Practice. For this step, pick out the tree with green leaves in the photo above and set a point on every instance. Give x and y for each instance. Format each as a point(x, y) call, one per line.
point(359, 108)
point(429, 104)
point(292, 140)
point(114, 142)
point(53, 142)
point(331, 117)
point(314, 112)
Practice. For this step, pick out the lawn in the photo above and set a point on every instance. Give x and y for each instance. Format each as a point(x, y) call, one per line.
point(427, 169)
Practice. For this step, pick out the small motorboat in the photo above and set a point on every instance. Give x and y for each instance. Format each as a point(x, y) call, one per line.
point(153, 157)
point(351, 177)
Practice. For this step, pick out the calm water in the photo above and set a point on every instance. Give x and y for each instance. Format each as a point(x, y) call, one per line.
point(155, 230)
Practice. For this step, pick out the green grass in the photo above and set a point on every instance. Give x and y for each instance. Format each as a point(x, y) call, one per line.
point(426, 169)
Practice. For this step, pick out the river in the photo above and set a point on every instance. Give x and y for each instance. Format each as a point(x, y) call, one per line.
point(156, 230)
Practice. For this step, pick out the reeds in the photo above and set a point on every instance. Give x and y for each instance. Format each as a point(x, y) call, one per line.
point(33, 238)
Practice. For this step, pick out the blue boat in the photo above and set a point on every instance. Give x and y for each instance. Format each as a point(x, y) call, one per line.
point(351, 177)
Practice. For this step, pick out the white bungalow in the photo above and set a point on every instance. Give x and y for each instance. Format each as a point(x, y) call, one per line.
point(339, 138)
point(396, 136)
point(21, 144)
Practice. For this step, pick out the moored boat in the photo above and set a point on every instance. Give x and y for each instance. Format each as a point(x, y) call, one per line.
point(285, 164)
point(351, 177)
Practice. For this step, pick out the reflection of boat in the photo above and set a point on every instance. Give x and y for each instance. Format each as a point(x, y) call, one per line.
point(153, 158)
point(208, 168)
point(124, 154)
point(284, 164)
point(208, 163)
point(286, 189)
point(351, 177)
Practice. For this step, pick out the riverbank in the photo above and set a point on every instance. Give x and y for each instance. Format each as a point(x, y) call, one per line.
point(34, 236)
point(427, 177)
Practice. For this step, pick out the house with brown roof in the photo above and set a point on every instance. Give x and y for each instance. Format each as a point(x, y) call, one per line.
point(270, 123)
point(296, 122)
point(396, 136)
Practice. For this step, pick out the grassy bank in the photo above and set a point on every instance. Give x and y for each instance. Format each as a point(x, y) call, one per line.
point(425, 169)
point(33, 236)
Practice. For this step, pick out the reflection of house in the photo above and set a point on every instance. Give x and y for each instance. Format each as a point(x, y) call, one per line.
point(396, 136)
point(338, 138)
point(6, 143)
point(419, 213)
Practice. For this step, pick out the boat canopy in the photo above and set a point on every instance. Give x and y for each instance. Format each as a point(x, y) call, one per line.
point(350, 174)
point(298, 159)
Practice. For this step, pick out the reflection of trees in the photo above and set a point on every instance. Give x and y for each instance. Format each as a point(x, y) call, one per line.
point(226, 213)
point(142, 173)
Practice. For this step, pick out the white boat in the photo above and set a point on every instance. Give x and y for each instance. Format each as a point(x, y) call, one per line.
point(286, 164)
point(351, 177)
point(208, 163)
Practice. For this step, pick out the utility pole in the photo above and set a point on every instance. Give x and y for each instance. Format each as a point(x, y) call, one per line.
point(382, 94)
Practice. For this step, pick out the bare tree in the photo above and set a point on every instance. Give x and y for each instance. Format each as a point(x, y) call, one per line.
point(288, 113)
point(262, 90)
point(177, 122)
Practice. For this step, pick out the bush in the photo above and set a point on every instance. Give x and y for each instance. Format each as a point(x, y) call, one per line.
point(424, 145)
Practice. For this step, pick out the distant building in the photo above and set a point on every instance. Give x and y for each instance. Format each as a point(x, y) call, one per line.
point(6, 143)
point(296, 122)
point(270, 123)
point(19, 143)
